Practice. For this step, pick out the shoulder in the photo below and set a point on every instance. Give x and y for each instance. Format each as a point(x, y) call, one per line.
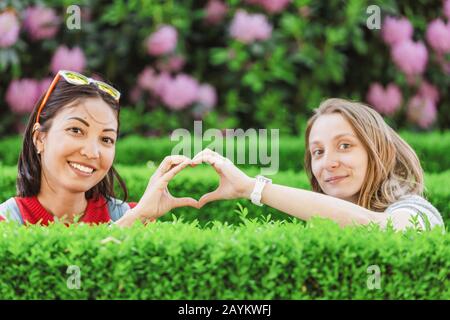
point(9, 210)
point(117, 208)
point(415, 205)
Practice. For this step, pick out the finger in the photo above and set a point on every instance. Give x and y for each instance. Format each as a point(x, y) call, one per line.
point(208, 157)
point(214, 153)
point(172, 172)
point(204, 158)
point(183, 202)
point(217, 162)
point(169, 162)
point(212, 196)
point(199, 156)
point(205, 152)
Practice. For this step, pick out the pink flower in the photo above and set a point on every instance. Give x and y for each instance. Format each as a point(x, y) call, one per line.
point(216, 10)
point(385, 101)
point(248, 28)
point(447, 8)
point(66, 59)
point(438, 36)
point(22, 95)
point(9, 29)
point(180, 93)
point(163, 80)
point(41, 23)
point(271, 6)
point(172, 64)
point(396, 30)
point(422, 111)
point(207, 96)
point(429, 91)
point(410, 57)
point(147, 79)
point(163, 41)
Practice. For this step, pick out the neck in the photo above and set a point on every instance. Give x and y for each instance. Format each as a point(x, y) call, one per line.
point(62, 204)
point(353, 199)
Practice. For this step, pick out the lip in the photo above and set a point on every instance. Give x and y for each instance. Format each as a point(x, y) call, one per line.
point(81, 173)
point(83, 164)
point(336, 179)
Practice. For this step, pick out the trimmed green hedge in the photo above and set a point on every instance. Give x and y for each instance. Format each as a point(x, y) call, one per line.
point(432, 149)
point(251, 261)
point(197, 181)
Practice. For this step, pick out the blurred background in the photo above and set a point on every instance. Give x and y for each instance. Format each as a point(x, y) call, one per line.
point(232, 64)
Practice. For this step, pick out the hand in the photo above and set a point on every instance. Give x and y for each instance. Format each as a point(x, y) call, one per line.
point(157, 199)
point(233, 182)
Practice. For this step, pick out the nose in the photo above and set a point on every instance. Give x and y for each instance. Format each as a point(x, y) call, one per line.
point(331, 161)
point(90, 150)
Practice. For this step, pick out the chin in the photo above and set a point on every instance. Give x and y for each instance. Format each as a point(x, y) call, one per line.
point(76, 187)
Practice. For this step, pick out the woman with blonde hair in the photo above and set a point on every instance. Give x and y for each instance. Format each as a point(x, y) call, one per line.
point(360, 170)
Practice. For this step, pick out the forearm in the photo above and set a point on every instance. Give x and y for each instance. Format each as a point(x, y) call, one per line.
point(129, 218)
point(305, 204)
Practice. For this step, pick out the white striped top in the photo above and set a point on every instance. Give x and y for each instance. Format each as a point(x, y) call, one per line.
point(418, 205)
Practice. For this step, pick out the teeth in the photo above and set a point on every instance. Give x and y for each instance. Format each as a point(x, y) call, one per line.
point(81, 168)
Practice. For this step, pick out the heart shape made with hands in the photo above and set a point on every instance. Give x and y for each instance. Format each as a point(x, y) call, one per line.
point(224, 190)
point(198, 178)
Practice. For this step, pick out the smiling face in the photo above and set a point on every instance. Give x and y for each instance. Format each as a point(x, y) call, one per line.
point(82, 133)
point(336, 152)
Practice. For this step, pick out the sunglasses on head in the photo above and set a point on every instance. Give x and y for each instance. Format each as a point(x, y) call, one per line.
point(76, 78)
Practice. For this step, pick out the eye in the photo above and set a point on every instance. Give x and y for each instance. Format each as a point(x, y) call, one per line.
point(107, 138)
point(74, 128)
point(344, 144)
point(315, 152)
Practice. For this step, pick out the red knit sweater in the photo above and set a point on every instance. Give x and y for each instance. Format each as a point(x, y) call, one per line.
point(32, 211)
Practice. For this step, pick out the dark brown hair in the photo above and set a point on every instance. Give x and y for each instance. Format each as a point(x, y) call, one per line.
point(29, 164)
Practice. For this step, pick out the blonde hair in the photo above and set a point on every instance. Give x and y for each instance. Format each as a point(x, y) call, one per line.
point(393, 169)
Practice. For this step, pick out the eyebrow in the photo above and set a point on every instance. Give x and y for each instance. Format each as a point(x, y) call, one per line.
point(337, 137)
point(87, 124)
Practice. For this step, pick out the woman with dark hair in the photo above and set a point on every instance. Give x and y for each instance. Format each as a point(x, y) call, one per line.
point(65, 168)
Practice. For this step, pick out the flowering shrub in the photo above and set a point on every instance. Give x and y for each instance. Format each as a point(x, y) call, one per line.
point(412, 59)
point(162, 41)
point(235, 63)
point(65, 58)
point(41, 22)
point(9, 25)
point(248, 28)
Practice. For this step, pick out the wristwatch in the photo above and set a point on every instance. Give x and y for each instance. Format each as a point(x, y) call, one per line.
point(261, 181)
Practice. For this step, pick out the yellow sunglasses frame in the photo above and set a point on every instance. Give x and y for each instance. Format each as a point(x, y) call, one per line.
point(65, 75)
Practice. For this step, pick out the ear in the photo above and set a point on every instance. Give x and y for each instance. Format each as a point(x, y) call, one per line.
point(38, 137)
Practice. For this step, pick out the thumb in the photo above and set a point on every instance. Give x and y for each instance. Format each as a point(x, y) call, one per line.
point(183, 202)
point(209, 197)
